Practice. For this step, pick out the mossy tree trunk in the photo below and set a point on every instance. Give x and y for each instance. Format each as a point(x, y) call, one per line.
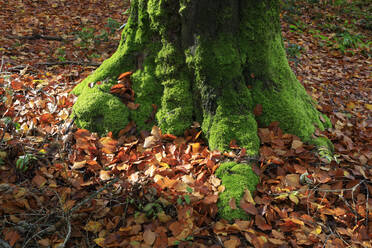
point(210, 61)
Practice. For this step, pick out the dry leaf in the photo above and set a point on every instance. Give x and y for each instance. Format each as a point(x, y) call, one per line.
point(149, 237)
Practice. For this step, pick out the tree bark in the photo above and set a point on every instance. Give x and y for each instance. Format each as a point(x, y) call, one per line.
point(211, 61)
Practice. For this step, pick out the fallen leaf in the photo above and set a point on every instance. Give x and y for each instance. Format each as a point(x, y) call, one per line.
point(93, 226)
point(261, 223)
point(293, 197)
point(248, 196)
point(149, 237)
point(232, 203)
point(296, 144)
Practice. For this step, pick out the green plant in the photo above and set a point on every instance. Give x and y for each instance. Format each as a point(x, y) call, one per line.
point(325, 153)
point(185, 198)
point(89, 36)
point(298, 26)
point(9, 122)
point(113, 25)
point(188, 239)
point(24, 161)
point(347, 40)
point(61, 54)
point(294, 51)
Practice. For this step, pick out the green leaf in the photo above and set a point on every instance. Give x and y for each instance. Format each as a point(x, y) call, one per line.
point(187, 199)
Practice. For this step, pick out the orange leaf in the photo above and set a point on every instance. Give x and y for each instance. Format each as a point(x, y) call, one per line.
point(12, 237)
point(104, 175)
point(16, 85)
point(109, 145)
point(168, 136)
point(125, 75)
point(46, 118)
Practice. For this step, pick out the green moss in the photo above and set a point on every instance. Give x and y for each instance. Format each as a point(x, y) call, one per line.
point(148, 90)
point(236, 178)
point(176, 112)
point(100, 112)
point(232, 121)
point(274, 86)
point(227, 107)
point(323, 142)
point(134, 38)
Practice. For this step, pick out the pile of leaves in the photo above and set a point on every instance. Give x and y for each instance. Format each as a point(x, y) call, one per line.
point(61, 186)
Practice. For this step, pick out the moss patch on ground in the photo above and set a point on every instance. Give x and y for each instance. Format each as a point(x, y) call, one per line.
point(100, 112)
point(236, 178)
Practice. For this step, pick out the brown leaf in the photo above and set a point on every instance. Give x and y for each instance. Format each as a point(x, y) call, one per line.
point(292, 180)
point(149, 142)
point(257, 111)
point(79, 165)
point(149, 237)
point(233, 242)
point(210, 199)
point(93, 226)
point(232, 203)
point(248, 207)
point(248, 196)
point(261, 223)
point(39, 181)
point(296, 144)
point(132, 105)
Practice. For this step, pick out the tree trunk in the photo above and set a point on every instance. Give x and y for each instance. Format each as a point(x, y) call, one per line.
point(211, 61)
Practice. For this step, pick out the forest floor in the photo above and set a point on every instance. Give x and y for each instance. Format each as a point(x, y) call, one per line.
point(65, 187)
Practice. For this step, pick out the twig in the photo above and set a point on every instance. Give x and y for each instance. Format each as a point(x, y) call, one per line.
point(4, 244)
point(20, 67)
point(2, 63)
point(68, 234)
point(70, 125)
point(367, 207)
point(68, 63)
point(77, 206)
point(94, 194)
point(39, 36)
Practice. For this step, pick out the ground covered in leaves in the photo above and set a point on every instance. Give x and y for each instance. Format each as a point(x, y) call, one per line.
point(65, 187)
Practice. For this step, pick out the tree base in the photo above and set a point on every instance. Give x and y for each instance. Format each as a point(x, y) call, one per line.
point(220, 63)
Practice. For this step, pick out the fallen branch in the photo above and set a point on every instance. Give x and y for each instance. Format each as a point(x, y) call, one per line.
point(39, 36)
point(89, 198)
point(21, 67)
point(77, 206)
point(68, 63)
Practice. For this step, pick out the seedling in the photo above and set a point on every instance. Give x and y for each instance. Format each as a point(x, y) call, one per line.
point(24, 161)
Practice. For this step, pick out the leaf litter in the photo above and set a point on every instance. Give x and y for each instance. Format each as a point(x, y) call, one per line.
point(158, 190)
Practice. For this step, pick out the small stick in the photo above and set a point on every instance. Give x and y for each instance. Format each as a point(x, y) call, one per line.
point(94, 194)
